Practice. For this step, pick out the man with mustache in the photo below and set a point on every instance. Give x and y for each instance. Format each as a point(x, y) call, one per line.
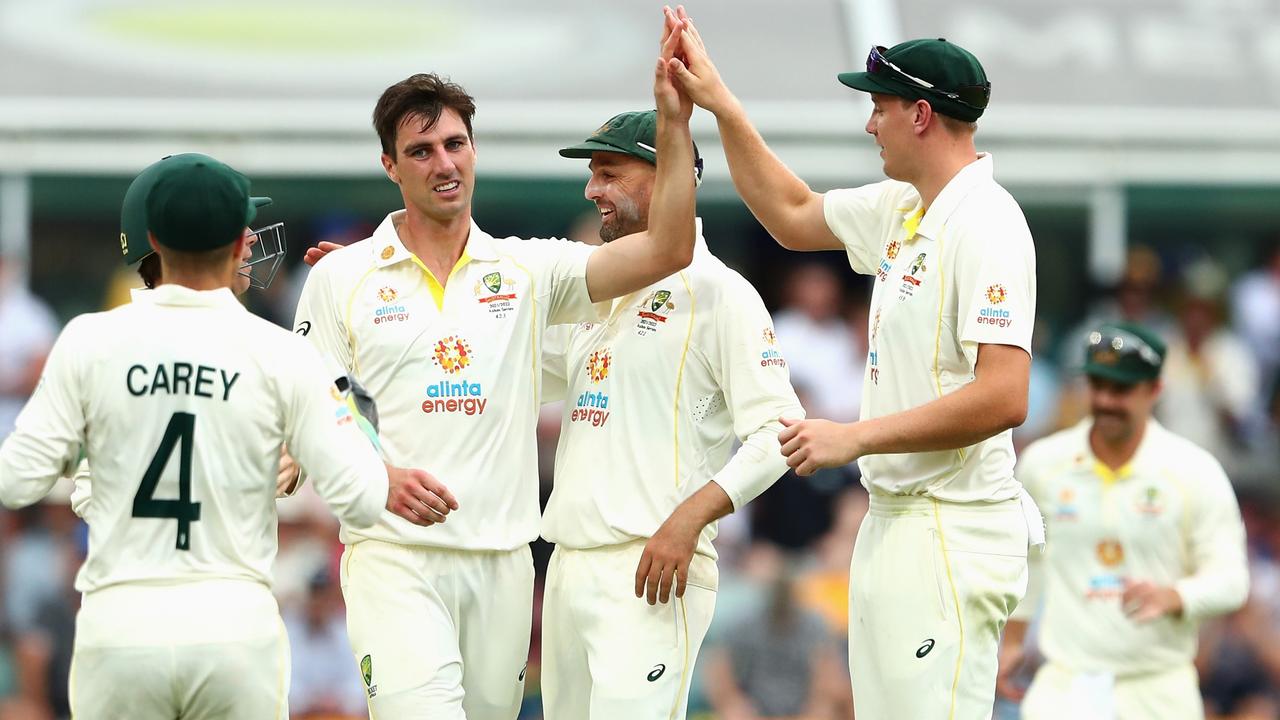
point(1146, 541)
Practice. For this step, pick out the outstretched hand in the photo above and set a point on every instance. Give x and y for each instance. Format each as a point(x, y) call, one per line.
point(313, 254)
point(811, 445)
point(692, 68)
point(669, 98)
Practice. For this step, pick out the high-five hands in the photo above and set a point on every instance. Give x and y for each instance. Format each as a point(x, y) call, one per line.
point(692, 67)
point(670, 99)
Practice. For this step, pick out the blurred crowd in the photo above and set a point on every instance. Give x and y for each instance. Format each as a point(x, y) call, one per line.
point(777, 646)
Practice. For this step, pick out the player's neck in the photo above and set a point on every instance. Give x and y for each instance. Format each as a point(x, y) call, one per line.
point(438, 244)
point(946, 159)
point(195, 281)
point(1116, 454)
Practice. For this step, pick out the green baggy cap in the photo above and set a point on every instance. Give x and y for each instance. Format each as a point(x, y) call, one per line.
point(629, 133)
point(133, 211)
point(1124, 352)
point(959, 86)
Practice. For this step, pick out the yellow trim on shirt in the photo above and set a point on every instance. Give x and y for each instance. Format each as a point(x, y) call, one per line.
point(533, 332)
point(282, 707)
point(437, 290)
point(955, 597)
point(937, 337)
point(1109, 476)
point(911, 223)
point(684, 666)
point(684, 352)
point(346, 319)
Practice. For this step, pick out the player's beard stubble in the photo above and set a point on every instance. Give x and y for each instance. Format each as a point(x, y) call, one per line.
point(627, 218)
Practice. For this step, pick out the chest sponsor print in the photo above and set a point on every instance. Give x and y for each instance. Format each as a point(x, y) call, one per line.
point(389, 308)
point(770, 357)
point(456, 394)
point(592, 406)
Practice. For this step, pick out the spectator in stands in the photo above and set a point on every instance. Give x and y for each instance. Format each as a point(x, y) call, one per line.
point(30, 328)
point(815, 337)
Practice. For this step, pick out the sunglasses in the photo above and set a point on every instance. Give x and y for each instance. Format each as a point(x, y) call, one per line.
point(975, 96)
point(1122, 344)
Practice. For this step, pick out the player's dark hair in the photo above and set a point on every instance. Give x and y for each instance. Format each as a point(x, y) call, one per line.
point(423, 97)
point(149, 269)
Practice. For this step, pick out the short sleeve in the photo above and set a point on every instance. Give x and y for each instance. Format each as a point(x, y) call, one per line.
point(861, 218)
point(996, 285)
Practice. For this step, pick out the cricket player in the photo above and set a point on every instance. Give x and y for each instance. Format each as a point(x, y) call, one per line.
point(941, 560)
point(444, 324)
point(1147, 541)
point(260, 261)
point(182, 400)
point(656, 395)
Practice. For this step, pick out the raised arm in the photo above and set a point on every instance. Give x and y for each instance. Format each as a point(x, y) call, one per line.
point(640, 259)
point(781, 201)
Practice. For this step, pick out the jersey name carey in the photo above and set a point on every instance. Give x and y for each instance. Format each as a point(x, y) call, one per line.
point(180, 378)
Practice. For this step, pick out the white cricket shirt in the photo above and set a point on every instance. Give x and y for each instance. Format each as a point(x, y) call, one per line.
point(456, 370)
point(1169, 517)
point(961, 275)
point(181, 400)
point(656, 395)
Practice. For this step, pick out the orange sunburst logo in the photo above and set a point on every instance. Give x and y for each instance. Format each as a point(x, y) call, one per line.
point(996, 294)
point(453, 354)
point(891, 251)
point(598, 365)
point(387, 294)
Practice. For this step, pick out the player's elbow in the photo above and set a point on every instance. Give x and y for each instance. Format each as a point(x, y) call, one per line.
point(1013, 411)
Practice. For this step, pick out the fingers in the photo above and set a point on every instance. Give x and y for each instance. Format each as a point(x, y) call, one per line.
point(438, 489)
point(655, 577)
point(642, 572)
point(682, 578)
point(669, 45)
point(312, 256)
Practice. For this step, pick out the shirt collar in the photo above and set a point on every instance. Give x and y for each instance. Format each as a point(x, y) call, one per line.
point(976, 173)
point(387, 248)
point(181, 296)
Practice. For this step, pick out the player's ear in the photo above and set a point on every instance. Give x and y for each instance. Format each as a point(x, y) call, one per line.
point(389, 166)
point(151, 240)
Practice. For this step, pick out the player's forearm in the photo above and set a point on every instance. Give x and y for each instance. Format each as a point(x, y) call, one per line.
point(963, 418)
point(773, 193)
point(672, 208)
point(29, 466)
point(1015, 633)
point(708, 504)
point(755, 466)
point(1216, 590)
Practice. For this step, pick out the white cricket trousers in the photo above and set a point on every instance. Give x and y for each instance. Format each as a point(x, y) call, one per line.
point(1172, 694)
point(608, 655)
point(931, 586)
point(207, 650)
point(439, 634)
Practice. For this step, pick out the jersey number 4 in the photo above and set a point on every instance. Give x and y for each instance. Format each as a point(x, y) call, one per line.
point(181, 429)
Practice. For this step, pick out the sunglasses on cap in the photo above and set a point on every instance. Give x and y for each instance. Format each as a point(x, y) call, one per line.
point(975, 96)
point(1121, 344)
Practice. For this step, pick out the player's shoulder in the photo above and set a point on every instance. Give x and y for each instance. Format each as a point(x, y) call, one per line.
point(889, 195)
point(346, 263)
point(1056, 449)
point(1182, 457)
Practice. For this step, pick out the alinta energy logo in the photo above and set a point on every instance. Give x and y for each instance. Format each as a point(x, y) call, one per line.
point(452, 354)
point(770, 357)
point(592, 407)
point(992, 315)
point(390, 310)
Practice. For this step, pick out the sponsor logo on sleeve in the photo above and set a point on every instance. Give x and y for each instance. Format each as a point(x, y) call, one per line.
point(992, 314)
point(770, 357)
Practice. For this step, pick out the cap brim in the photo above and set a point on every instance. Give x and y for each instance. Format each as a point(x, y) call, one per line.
point(1113, 374)
point(260, 201)
point(585, 148)
point(867, 83)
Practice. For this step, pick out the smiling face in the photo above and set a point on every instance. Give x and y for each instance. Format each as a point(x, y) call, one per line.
point(621, 187)
point(434, 166)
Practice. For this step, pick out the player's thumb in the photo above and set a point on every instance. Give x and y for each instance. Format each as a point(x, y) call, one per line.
point(787, 422)
point(678, 69)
